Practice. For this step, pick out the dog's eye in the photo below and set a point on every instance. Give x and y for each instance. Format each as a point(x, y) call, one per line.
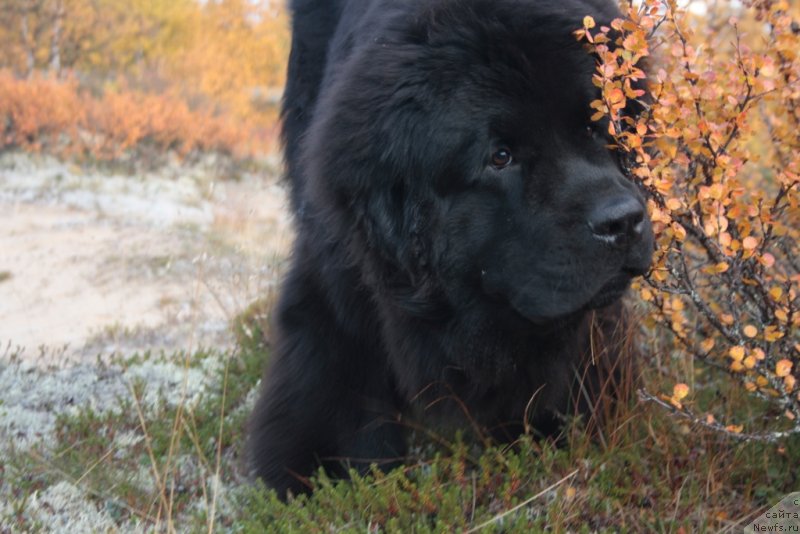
point(501, 158)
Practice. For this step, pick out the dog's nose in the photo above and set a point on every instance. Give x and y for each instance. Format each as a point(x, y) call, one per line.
point(617, 221)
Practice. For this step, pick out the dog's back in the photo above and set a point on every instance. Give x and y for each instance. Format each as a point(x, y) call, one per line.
point(313, 25)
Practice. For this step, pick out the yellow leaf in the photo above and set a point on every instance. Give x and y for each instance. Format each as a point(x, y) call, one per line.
point(737, 353)
point(750, 331)
point(616, 98)
point(588, 22)
point(771, 333)
point(680, 391)
point(717, 191)
point(634, 141)
point(707, 345)
point(750, 243)
point(789, 382)
point(783, 367)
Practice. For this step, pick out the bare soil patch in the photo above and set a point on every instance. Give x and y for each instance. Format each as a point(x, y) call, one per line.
point(102, 263)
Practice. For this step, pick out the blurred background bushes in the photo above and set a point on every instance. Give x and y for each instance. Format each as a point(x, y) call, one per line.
point(110, 79)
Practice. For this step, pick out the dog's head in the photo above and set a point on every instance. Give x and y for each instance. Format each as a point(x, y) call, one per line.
point(458, 162)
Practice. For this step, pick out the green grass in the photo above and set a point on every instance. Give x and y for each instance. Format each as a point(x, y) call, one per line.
point(657, 479)
point(654, 474)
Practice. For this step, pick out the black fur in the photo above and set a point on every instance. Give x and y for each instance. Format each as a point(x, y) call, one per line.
point(426, 280)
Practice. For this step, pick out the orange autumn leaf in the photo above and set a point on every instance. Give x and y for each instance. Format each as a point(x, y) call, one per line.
point(680, 391)
point(736, 353)
point(783, 367)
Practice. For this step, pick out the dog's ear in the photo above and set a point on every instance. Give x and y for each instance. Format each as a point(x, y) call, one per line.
point(397, 232)
point(379, 205)
point(371, 158)
point(381, 214)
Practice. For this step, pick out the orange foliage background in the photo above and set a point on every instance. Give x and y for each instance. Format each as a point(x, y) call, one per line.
point(717, 150)
point(55, 116)
point(107, 79)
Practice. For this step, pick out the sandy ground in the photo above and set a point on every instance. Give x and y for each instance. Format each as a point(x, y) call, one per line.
point(95, 264)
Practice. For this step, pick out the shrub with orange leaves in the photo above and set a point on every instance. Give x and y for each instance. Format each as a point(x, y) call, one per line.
point(716, 145)
point(56, 116)
point(39, 113)
point(122, 121)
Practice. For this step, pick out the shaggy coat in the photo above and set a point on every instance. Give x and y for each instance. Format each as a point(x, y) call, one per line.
point(463, 232)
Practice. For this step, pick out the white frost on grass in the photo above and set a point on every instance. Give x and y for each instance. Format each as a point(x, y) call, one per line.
point(173, 383)
point(31, 398)
point(65, 508)
point(123, 441)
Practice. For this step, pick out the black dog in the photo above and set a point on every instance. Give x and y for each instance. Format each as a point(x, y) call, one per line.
point(459, 220)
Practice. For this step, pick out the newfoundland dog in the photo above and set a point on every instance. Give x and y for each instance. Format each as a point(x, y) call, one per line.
point(464, 232)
